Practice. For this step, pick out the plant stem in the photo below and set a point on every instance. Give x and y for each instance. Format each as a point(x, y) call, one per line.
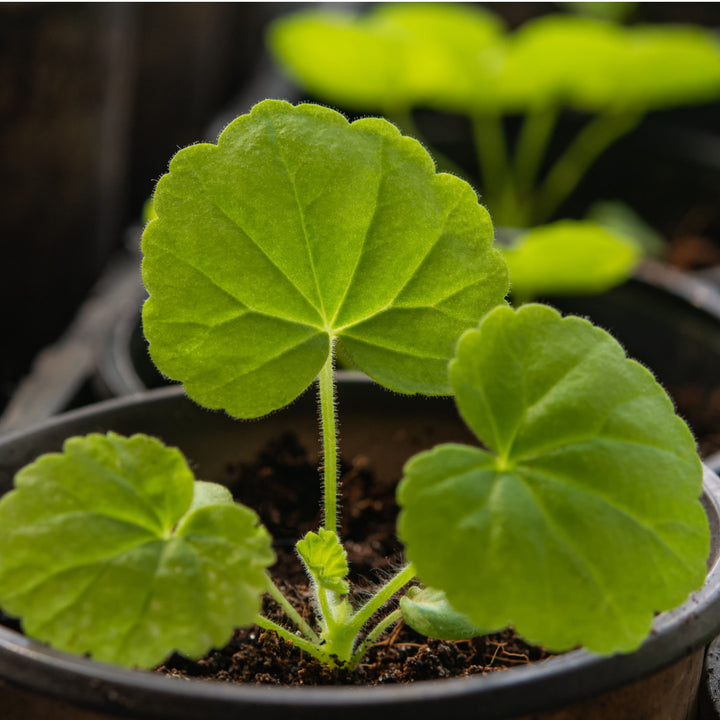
point(569, 169)
point(492, 157)
point(393, 585)
point(299, 642)
point(291, 612)
point(531, 148)
point(329, 434)
point(372, 637)
point(325, 608)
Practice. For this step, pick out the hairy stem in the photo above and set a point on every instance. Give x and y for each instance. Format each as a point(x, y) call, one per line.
point(393, 585)
point(569, 169)
point(285, 634)
point(388, 621)
point(291, 612)
point(329, 434)
point(325, 608)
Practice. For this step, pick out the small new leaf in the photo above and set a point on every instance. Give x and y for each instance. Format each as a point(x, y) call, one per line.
point(326, 559)
point(582, 518)
point(428, 612)
point(111, 548)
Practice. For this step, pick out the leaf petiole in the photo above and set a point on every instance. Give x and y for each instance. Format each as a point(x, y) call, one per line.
point(291, 612)
point(299, 642)
point(373, 636)
point(328, 424)
point(392, 586)
point(601, 132)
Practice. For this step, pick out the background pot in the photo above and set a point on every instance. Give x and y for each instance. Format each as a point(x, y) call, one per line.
point(659, 680)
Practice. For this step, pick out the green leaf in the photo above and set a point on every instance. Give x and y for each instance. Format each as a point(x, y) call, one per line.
point(326, 559)
point(394, 57)
point(458, 58)
point(569, 257)
point(340, 58)
point(148, 211)
point(669, 66)
point(299, 228)
point(582, 518)
point(428, 612)
point(111, 548)
point(602, 67)
point(561, 60)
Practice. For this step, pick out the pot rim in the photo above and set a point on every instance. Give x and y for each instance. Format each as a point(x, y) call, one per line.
point(579, 673)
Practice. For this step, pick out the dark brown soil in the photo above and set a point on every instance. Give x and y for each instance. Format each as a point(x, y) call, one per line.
point(283, 488)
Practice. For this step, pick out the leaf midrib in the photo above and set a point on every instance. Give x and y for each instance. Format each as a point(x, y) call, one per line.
point(241, 303)
point(236, 224)
point(635, 520)
point(301, 216)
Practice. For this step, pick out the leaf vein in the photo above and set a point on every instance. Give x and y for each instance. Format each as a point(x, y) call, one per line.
point(241, 303)
point(301, 216)
point(608, 597)
point(581, 440)
point(247, 234)
point(369, 227)
point(262, 363)
point(397, 349)
point(392, 302)
point(638, 522)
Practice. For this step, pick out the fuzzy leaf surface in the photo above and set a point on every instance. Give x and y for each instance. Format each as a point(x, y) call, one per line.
point(111, 548)
point(569, 257)
point(582, 518)
point(326, 559)
point(299, 228)
point(428, 612)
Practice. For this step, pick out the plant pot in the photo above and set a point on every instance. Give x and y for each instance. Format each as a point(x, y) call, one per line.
point(666, 319)
point(660, 680)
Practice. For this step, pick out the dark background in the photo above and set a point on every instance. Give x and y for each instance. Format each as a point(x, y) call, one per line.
point(94, 100)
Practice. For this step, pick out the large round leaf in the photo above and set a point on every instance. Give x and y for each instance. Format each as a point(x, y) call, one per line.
point(601, 66)
point(112, 548)
point(582, 518)
point(299, 228)
point(394, 57)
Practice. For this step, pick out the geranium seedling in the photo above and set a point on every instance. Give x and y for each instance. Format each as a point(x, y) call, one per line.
point(295, 232)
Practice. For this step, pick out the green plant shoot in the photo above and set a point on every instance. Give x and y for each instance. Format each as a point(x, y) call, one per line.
point(296, 232)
